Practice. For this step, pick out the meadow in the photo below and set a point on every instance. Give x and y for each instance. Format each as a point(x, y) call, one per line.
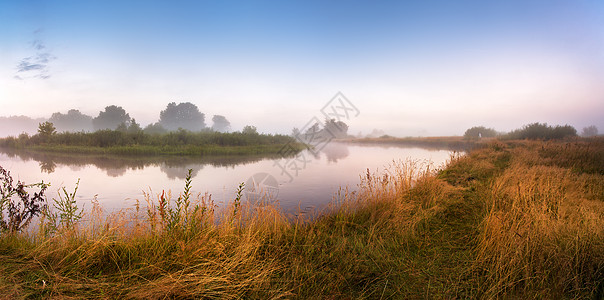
point(511, 219)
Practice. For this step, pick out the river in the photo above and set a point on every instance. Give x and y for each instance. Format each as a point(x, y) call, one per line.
point(306, 181)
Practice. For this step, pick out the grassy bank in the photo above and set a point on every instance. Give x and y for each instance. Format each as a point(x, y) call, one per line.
point(182, 142)
point(513, 220)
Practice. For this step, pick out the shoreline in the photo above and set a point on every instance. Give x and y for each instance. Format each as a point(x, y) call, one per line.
point(137, 150)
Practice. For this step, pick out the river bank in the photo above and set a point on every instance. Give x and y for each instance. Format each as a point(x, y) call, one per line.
point(179, 143)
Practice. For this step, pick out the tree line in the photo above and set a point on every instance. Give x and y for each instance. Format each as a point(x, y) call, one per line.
point(328, 130)
point(184, 115)
point(130, 136)
point(179, 125)
point(532, 131)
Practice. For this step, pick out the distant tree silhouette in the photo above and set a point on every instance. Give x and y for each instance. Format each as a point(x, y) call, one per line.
point(329, 130)
point(542, 131)
point(134, 127)
point(184, 115)
point(337, 129)
point(313, 130)
point(479, 131)
point(74, 120)
point(560, 132)
point(122, 127)
point(590, 131)
point(15, 125)
point(248, 129)
point(155, 128)
point(221, 124)
point(111, 118)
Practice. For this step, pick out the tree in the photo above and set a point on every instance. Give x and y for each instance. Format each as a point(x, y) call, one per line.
point(15, 125)
point(337, 129)
point(134, 127)
point(560, 132)
point(46, 129)
point(479, 132)
point(543, 131)
point(248, 129)
point(221, 124)
point(74, 120)
point(184, 115)
point(122, 127)
point(313, 130)
point(155, 128)
point(590, 131)
point(111, 118)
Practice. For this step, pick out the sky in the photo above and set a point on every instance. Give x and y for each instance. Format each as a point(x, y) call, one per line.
point(411, 68)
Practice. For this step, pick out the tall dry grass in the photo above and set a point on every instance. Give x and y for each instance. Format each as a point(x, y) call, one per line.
point(510, 220)
point(211, 252)
point(543, 233)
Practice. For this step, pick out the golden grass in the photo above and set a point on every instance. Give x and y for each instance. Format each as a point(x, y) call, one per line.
point(544, 230)
point(515, 219)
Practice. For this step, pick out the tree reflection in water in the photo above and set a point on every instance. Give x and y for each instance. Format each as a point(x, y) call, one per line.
point(116, 166)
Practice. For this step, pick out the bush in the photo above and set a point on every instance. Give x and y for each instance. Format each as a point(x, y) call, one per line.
point(21, 210)
point(543, 131)
point(479, 131)
point(590, 131)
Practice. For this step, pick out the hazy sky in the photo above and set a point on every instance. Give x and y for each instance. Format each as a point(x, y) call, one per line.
point(411, 68)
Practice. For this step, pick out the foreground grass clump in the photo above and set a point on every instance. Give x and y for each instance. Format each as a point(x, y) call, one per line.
point(511, 220)
point(543, 234)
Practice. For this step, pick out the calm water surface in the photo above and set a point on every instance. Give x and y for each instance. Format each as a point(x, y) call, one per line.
point(118, 181)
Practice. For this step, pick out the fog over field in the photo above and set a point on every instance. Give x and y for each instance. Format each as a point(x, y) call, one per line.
point(409, 69)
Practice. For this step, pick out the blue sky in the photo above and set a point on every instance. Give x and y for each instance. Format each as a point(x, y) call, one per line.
point(411, 68)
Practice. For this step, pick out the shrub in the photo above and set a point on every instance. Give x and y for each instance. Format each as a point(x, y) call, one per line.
point(67, 213)
point(590, 131)
point(479, 131)
point(542, 131)
point(21, 210)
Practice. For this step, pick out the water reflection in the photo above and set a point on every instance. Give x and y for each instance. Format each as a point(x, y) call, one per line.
point(179, 171)
point(335, 151)
point(175, 167)
point(117, 181)
point(47, 166)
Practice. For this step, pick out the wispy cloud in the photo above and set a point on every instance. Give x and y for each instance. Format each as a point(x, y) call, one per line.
point(37, 65)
